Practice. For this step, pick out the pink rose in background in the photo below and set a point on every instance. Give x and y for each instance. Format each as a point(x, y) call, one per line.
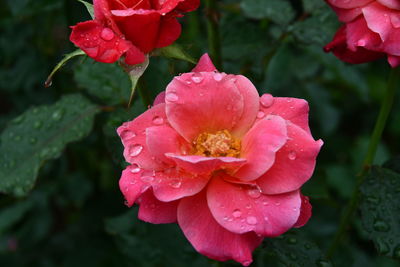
point(131, 28)
point(224, 163)
point(371, 31)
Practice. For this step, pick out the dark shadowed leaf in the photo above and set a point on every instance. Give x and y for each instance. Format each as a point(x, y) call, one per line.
point(40, 134)
point(272, 10)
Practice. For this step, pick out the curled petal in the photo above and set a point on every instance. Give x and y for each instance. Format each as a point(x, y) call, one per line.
point(154, 211)
point(200, 164)
point(394, 61)
point(204, 65)
point(379, 20)
point(348, 4)
point(359, 35)
point(294, 163)
point(160, 98)
point(259, 146)
point(131, 185)
point(242, 209)
point(305, 212)
point(169, 31)
point(188, 5)
point(394, 4)
point(211, 239)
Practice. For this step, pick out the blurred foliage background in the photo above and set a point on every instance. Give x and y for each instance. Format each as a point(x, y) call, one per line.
point(60, 156)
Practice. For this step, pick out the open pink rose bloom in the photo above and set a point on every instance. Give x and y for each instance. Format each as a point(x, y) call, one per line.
point(224, 163)
point(371, 31)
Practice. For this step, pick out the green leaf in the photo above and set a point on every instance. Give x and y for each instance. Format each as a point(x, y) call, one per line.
point(12, 214)
point(380, 210)
point(135, 72)
point(294, 249)
point(66, 58)
point(106, 82)
point(40, 134)
point(278, 11)
point(174, 51)
point(89, 8)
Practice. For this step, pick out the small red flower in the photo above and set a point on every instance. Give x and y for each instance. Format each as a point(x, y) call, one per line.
point(130, 27)
point(371, 31)
point(224, 163)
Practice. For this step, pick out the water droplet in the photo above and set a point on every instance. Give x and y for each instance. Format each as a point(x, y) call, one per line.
point(395, 19)
point(277, 203)
point(292, 155)
point(246, 263)
point(107, 34)
point(218, 76)
point(197, 77)
point(265, 203)
point(57, 115)
point(323, 263)
point(147, 176)
point(135, 150)
point(176, 183)
point(158, 120)
point(127, 134)
point(248, 206)
point(292, 240)
point(254, 193)
point(251, 220)
point(135, 168)
point(266, 100)
point(171, 97)
point(236, 213)
point(225, 218)
point(260, 114)
point(37, 124)
point(266, 218)
point(381, 226)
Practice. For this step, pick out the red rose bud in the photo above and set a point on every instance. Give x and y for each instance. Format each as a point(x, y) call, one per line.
point(371, 31)
point(130, 28)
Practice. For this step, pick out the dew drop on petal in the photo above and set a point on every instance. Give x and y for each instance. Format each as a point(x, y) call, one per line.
point(147, 176)
point(254, 193)
point(248, 206)
point(171, 96)
point(197, 78)
point(158, 120)
point(292, 155)
point(236, 213)
point(127, 134)
point(176, 183)
point(266, 100)
point(107, 34)
point(218, 76)
point(260, 115)
point(251, 220)
point(135, 168)
point(135, 150)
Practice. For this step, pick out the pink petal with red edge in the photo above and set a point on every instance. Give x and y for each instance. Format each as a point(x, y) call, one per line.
point(188, 5)
point(378, 19)
point(163, 139)
point(154, 211)
point(305, 212)
point(339, 48)
point(251, 101)
point(169, 31)
point(203, 102)
point(359, 35)
point(98, 42)
point(204, 65)
point(140, 29)
point(133, 137)
point(294, 163)
point(199, 164)
point(394, 61)
point(259, 146)
point(172, 184)
point(294, 110)
point(394, 4)
point(211, 239)
point(241, 209)
point(392, 44)
point(348, 4)
point(160, 98)
point(131, 185)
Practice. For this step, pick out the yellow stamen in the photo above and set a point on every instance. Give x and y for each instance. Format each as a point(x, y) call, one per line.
point(219, 144)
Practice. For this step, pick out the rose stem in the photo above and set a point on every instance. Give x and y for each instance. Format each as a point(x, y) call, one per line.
point(380, 123)
point(214, 40)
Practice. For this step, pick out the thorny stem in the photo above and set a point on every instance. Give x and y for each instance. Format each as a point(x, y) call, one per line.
point(384, 112)
point(214, 40)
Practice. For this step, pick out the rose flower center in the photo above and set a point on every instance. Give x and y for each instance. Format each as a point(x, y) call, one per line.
point(219, 144)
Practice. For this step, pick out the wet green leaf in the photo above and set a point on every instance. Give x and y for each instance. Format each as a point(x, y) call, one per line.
point(272, 10)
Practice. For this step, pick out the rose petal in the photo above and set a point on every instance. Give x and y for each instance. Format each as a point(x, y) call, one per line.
point(131, 185)
point(154, 211)
point(394, 4)
point(169, 31)
point(134, 56)
point(203, 102)
point(347, 15)
point(98, 42)
point(259, 146)
point(348, 4)
point(204, 65)
point(359, 35)
point(394, 61)
point(305, 212)
point(188, 5)
point(200, 164)
point(160, 98)
point(163, 139)
point(133, 137)
point(208, 237)
point(172, 184)
point(242, 209)
point(294, 110)
point(294, 163)
point(378, 19)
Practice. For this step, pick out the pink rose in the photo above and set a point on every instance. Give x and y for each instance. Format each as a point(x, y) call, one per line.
point(224, 163)
point(371, 31)
point(130, 27)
